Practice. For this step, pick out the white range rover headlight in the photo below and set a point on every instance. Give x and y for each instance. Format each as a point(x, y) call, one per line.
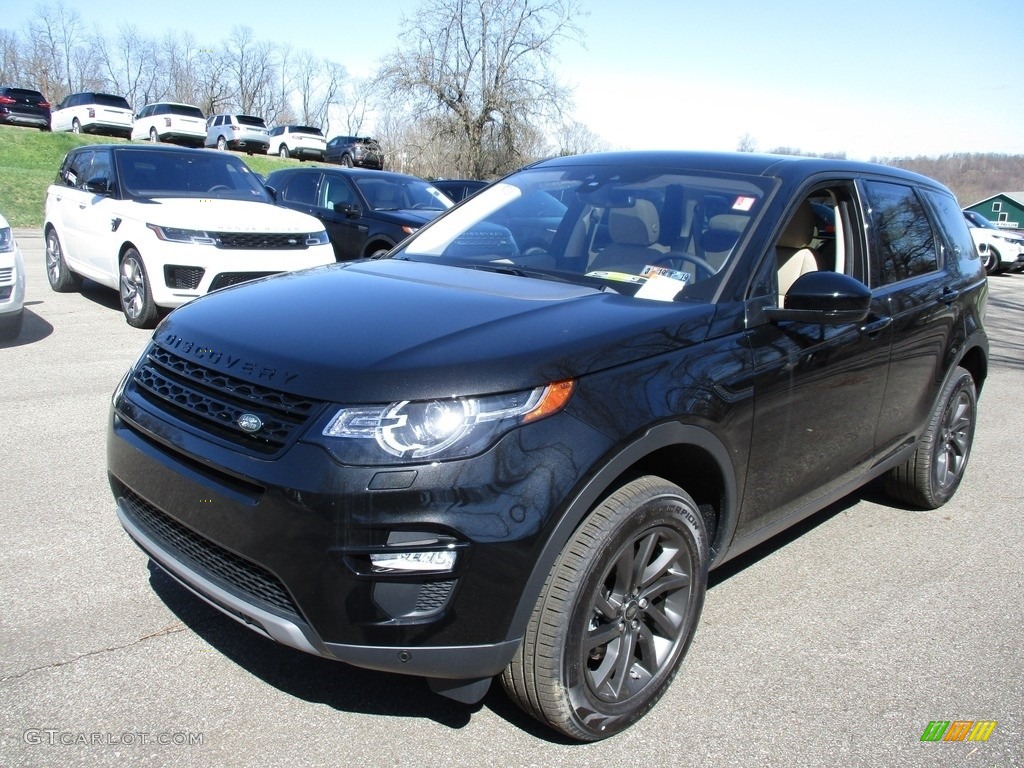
point(179, 235)
point(444, 428)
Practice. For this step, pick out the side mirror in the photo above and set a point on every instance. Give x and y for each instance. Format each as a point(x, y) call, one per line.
point(352, 211)
point(98, 186)
point(824, 297)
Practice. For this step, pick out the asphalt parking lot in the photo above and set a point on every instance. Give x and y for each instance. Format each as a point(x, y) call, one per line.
point(834, 644)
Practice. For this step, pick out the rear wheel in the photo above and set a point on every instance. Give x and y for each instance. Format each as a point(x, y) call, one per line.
point(616, 615)
point(76, 127)
point(59, 275)
point(283, 151)
point(136, 296)
point(222, 143)
point(932, 475)
point(154, 136)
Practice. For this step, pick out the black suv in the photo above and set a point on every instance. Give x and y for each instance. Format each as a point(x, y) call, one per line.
point(366, 213)
point(354, 151)
point(24, 106)
point(467, 460)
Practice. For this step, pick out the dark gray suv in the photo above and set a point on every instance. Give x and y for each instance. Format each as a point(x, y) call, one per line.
point(353, 151)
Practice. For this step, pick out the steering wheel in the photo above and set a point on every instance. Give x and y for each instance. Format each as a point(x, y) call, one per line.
point(219, 188)
point(676, 260)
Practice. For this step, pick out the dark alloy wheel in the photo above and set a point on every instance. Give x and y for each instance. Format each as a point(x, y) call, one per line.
point(136, 298)
point(59, 275)
point(346, 160)
point(932, 475)
point(616, 615)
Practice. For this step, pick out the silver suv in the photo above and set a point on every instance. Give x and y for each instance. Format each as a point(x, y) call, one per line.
point(244, 133)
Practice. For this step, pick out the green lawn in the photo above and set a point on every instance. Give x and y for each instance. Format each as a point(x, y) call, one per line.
point(29, 159)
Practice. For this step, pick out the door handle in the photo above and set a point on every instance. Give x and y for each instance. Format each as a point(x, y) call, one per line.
point(874, 326)
point(949, 295)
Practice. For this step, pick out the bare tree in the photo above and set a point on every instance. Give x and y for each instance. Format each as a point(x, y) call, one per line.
point(11, 65)
point(746, 143)
point(316, 84)
point(131, 65)
point(483, 65)
point(253, 71)
point(575, 138)
point(61, 55)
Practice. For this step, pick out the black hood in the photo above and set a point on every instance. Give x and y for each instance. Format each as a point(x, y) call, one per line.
point(377, 331)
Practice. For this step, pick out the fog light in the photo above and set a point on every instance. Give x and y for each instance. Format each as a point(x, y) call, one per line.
point(414, 562)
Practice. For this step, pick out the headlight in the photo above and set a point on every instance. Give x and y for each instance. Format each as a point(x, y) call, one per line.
point(318, 238)
point(437, 429)
point(178, 235)
point(6, 240)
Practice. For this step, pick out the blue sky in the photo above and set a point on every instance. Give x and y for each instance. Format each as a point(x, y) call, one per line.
point(871, 78)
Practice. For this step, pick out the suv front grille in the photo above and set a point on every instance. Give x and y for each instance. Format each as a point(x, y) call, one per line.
point(213, 402)
point(261, 240)
point(253, 581)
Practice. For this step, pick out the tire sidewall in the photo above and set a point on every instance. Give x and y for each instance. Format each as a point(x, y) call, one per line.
point(665, 510)
point(961, 381)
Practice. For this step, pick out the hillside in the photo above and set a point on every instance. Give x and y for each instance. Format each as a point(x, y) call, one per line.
point(29, 160)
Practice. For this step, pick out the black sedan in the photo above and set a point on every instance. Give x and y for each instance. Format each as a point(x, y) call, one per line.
point(366, 213)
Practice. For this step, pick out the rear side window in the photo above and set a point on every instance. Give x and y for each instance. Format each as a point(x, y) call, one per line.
point(902, 234)
point(954, 230)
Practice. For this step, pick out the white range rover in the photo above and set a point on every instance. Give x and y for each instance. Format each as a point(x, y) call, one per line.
point(164, 225)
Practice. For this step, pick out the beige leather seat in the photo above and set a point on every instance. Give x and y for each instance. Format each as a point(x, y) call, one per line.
point(634, 232)
point(793, 254)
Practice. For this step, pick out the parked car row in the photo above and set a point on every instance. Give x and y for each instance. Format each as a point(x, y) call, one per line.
point(172, 122)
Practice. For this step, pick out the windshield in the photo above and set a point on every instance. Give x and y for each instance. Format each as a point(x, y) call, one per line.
point(648, 232)
point(402, 193)
point(169, 173)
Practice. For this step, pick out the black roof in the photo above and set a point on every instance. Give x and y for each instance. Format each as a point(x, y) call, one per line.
point(750, 163)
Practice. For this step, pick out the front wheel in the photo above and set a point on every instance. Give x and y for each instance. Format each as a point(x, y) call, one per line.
point(346, 160)
point(992, 261)
point(616, 614)
point(136, 296)
point(931, 476)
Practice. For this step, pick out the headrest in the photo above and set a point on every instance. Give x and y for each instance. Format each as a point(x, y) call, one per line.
point(634, 226)
point(800, 231)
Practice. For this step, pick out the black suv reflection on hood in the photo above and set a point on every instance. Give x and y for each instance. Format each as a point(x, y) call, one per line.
point(517, 446)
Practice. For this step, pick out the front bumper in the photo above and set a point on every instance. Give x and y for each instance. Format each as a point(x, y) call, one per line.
point(283, 543)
